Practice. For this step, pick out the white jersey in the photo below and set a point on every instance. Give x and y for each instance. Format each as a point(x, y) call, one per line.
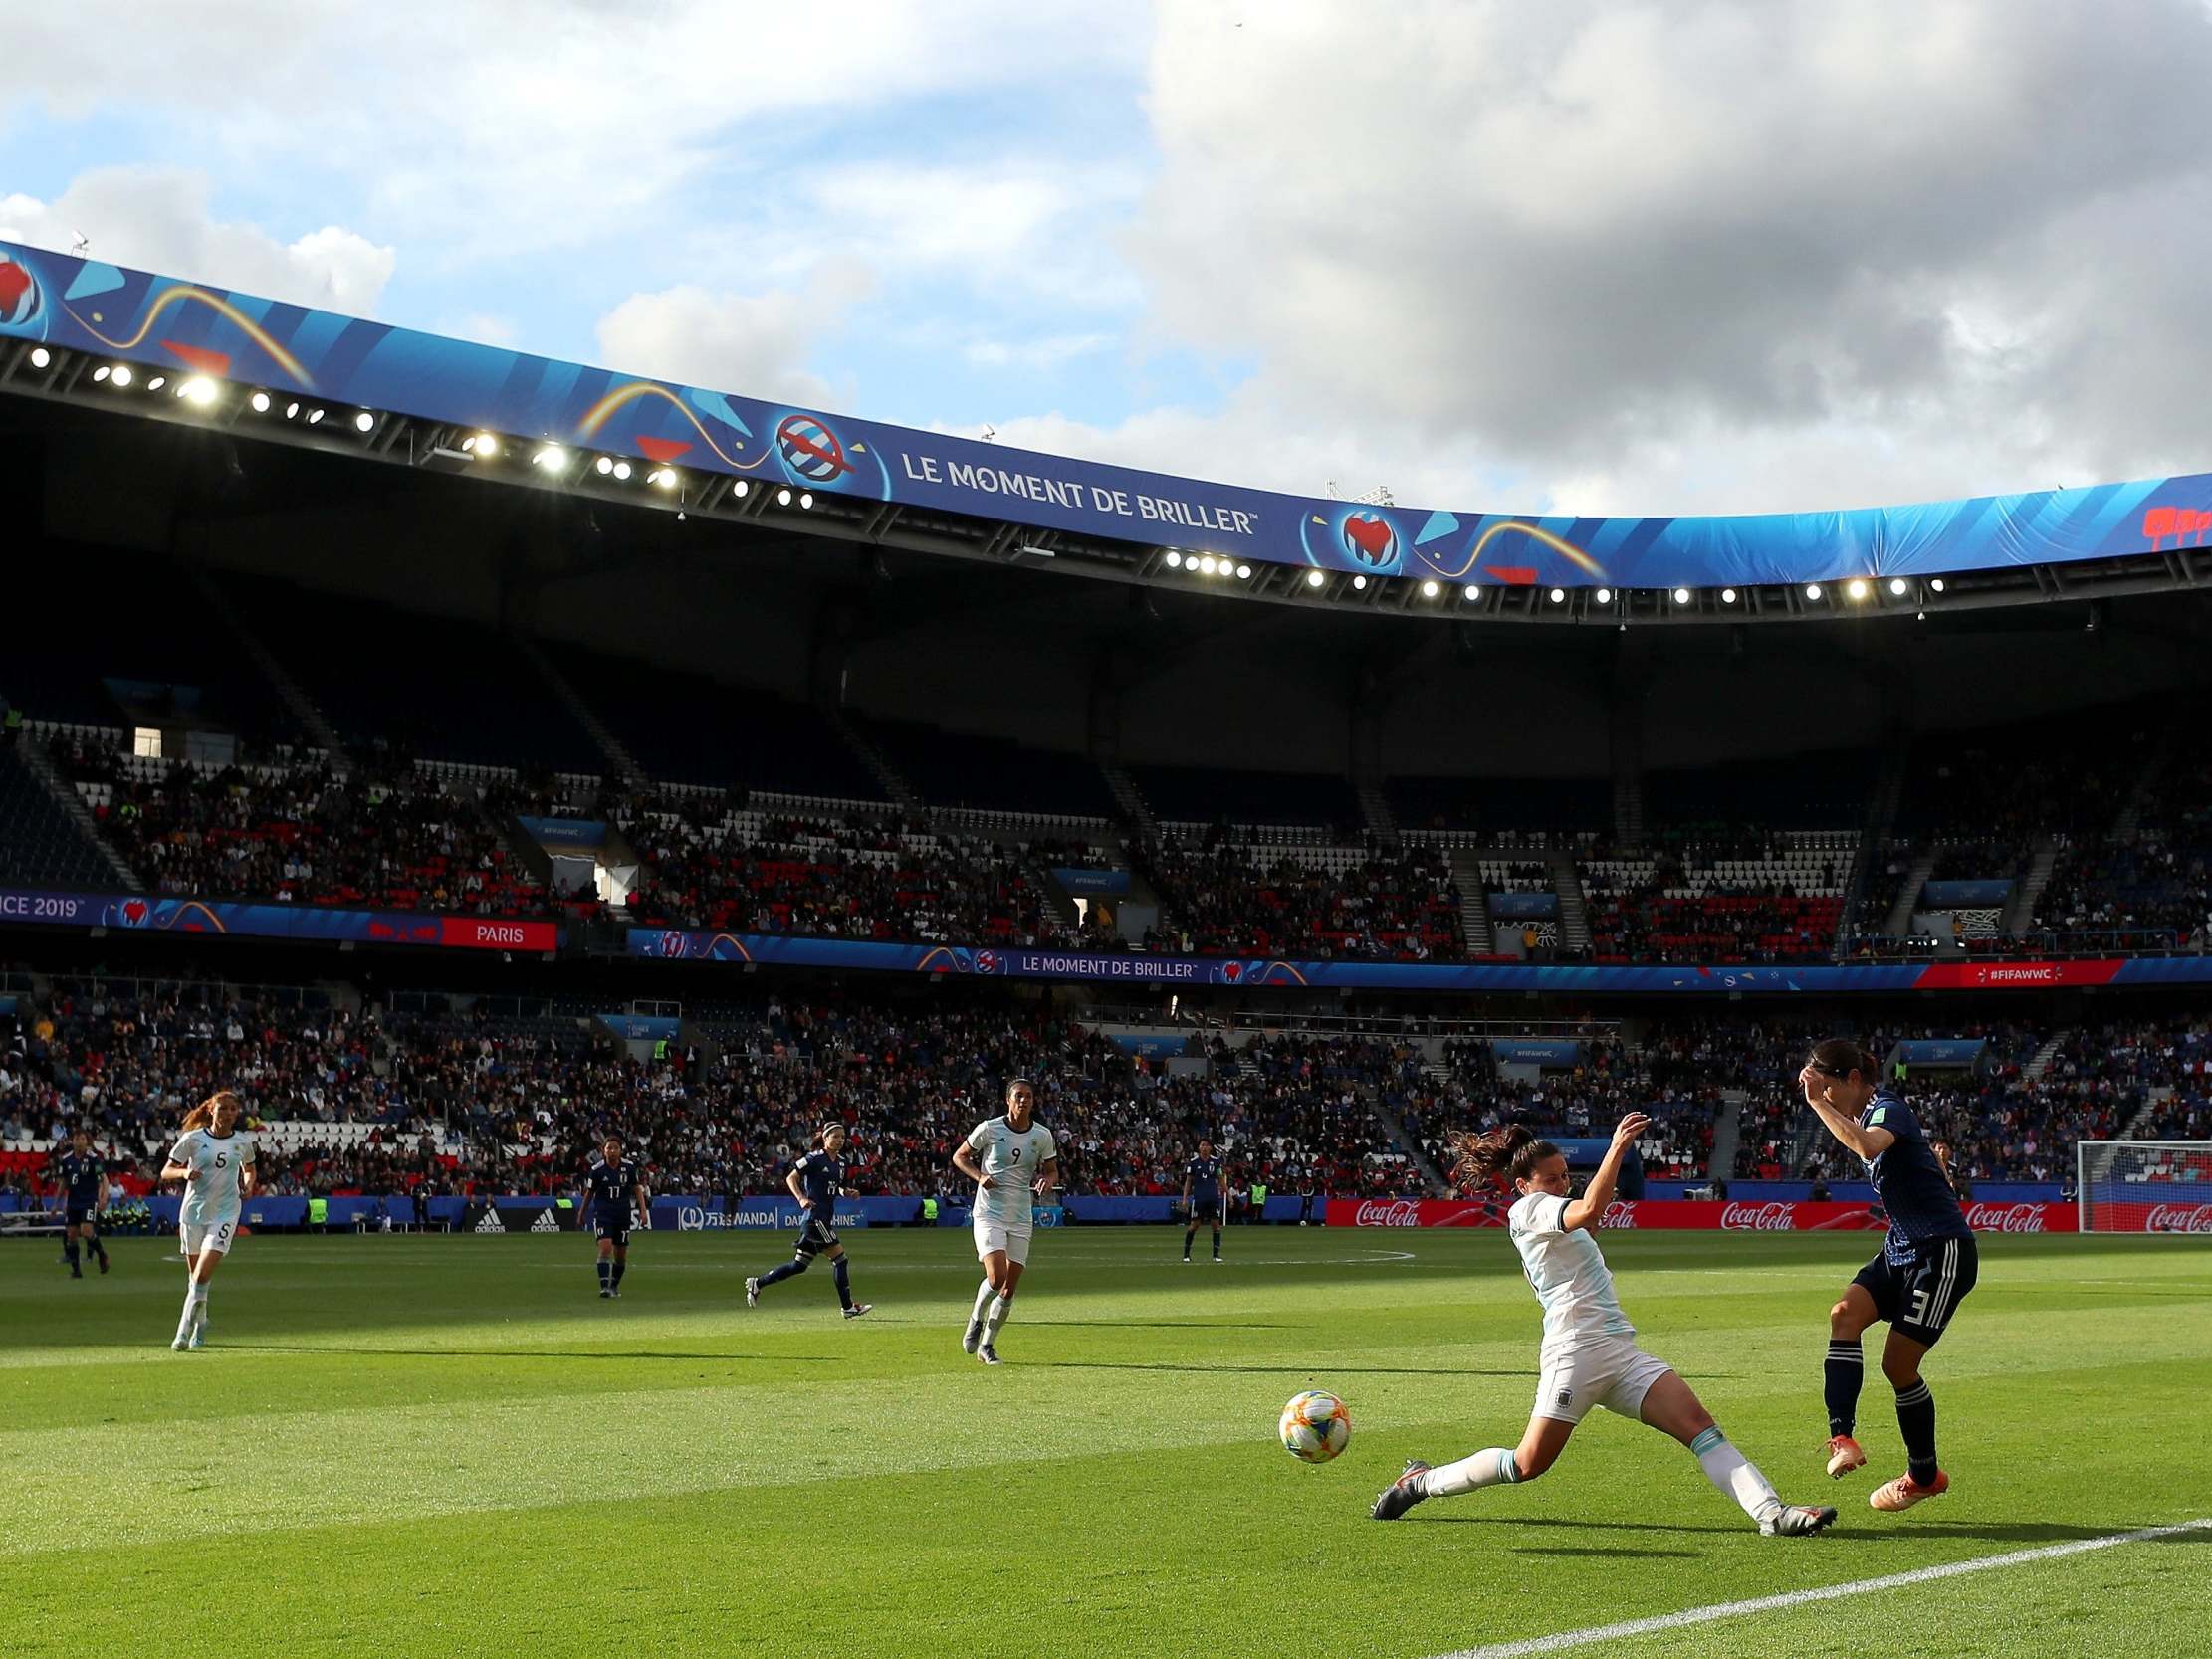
point(1011, 1158)
point(1569, 1274)
point(212, 1193)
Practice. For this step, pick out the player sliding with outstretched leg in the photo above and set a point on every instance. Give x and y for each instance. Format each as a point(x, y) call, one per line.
point(1926, 1266)
point(1589, 1356)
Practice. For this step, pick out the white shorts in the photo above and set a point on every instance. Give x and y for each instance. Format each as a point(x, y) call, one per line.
point(197, 1236)
point(1613, 1372)
point(993, 1236)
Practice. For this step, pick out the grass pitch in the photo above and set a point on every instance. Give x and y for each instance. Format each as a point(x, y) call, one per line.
point(454, 1446)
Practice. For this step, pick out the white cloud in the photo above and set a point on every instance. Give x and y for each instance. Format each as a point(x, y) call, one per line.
point(757, 345)
point(515, 126)
point(1039, 356)
point(158, 219)
point(1696, 254)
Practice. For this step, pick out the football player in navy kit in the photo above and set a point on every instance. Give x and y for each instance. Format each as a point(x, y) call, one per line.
point(612, 1186)
point(1202, 1197)
point(1926, 1266)
point(815, 1180)
point(83, 1182)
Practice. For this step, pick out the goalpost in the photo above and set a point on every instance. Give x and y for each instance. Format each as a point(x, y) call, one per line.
point(2144, 1186)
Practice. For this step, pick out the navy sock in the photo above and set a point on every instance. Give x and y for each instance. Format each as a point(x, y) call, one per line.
point(97, 1248)
point(1188, 1233)
point(69, 1249)
point(1216, 1241)
point(619, 1267)
point(1844, 1372)
point(1916, 1422)
point(844, 1281)
point(776, 1275)
point(606, 1271)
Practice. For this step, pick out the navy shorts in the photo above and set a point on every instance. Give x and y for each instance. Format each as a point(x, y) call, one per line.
point(1919, 1297)
point(614, 1227)
point(814, 1236)
point(1203, 1208)
point(80, 1216)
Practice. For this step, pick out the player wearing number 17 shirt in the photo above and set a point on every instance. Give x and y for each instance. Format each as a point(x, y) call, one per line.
point(615, 1189)
point(1011, 1159)
point(1928, 1264)
point(1202, 1197)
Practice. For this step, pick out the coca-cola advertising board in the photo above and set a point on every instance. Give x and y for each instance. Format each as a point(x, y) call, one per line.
point(1753, 1215)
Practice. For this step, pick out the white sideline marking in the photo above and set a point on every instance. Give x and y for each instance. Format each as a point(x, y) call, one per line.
point(1826, 1593)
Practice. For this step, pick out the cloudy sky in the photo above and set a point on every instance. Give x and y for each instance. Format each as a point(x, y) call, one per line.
point(1665, 256)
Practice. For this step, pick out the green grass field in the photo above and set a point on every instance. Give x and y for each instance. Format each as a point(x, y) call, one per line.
point(453, 1446)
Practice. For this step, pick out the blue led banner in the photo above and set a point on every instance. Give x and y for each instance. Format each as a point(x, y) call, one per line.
point(788, 951)
point(1536, 1051)
point(183, 328)
point(1955, 1051)
point(1975, 894)
point(1521, 906)
point(566, 832)
point(1091, 881)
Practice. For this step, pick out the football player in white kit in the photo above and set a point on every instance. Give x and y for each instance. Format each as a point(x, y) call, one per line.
point(1589, 1356)
point(1019, 1159)
point(216, 1165)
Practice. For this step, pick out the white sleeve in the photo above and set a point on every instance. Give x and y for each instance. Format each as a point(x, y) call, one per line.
point(182, 1153)
point(1051, 1149)
point(975, 1135)
point(246, 1153)
point(1547, 1215)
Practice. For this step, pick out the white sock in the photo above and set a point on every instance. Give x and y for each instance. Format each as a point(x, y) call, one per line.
point(195, 1299)
point(983, 1300)
point(1493, 1467)
point(1735, 1475)
point(997, 1316)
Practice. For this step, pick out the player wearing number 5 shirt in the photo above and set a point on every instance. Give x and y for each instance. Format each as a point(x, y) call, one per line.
point(216, 1162)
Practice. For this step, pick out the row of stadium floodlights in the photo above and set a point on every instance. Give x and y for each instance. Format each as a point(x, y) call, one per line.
point(204, 391)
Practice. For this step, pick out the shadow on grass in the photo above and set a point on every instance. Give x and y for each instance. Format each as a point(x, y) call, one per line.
point(1265, 1371)
point(1632, 1554)
point(527, 1354)
point(1996, 1531)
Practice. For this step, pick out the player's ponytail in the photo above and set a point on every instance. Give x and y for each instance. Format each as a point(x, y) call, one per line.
point(203, 1114)
point(1512, 1150)
point(1840, 1057)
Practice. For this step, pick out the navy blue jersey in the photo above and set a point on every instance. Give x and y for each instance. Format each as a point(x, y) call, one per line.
point(612, 1185)
point(1204, 1176)
point(822, 1177)
point(1909, 1182)
point(83, 1175)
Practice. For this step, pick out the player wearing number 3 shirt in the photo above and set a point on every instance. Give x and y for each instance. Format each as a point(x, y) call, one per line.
point(1011, 1159)
point(216, 1162)
point(1928, 1264)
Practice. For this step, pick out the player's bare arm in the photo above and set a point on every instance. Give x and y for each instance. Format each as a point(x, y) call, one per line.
point(1592, 1204)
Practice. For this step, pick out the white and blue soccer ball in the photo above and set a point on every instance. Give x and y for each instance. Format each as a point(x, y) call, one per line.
point(1315, 1426)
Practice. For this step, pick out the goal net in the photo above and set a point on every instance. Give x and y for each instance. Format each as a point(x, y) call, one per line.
point(2144, 1186)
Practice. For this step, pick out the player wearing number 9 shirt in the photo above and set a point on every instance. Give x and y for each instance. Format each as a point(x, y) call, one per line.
point(1019, 1159)
point(216, 1162)
point(1928, 1264)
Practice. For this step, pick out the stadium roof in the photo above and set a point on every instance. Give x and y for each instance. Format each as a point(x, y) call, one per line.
point(79, 331)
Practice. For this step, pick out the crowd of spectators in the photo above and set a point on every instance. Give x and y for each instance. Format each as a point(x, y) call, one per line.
point(388, 837)
point(1724, 896)
point(1223, 897)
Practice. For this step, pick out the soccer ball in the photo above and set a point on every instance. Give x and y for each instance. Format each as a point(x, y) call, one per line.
point(1315, 1426)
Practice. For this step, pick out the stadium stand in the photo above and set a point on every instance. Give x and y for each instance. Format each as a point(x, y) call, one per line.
point(1230, 898)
